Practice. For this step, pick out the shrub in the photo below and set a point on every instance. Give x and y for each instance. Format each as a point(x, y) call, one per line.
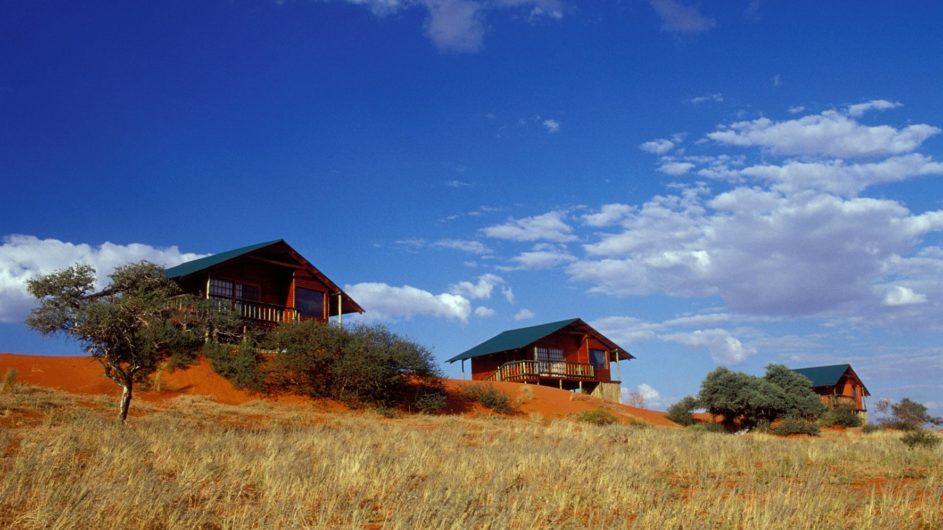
point(489, 396)
point(870, 428)
point(680, 412)
point(9, 380)
point(908, 415)
point(596, 417)
point(841, 416)
point(920, 438)
point(431, 402)
point(240, 364)
point(793, 425)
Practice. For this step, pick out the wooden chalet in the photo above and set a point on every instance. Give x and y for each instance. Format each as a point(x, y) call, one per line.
point(837, 385)
point(568, 354)
point(266, 284)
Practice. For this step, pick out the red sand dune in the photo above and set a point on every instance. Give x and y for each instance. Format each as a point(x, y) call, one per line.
point(83, 375)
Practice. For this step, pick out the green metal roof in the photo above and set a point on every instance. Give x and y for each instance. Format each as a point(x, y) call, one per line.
point(827, 375)
point(513, 339)
point(190, 267)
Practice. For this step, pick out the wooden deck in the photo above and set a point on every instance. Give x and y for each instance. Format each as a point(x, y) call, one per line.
point(527, 371)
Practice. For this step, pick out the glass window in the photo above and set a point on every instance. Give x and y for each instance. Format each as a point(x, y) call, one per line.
point(549, 354)
point(221, 288)
point(598, 358)
point(248, 292)
point(309, 303)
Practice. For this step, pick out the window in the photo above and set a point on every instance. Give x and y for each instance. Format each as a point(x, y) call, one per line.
point(309, 303)
point(229, 289)
point(548, 354)
point(598, 358)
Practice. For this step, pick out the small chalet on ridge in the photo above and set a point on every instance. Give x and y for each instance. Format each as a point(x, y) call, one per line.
point(837, 385)
point(568, 354)
point(267, 283)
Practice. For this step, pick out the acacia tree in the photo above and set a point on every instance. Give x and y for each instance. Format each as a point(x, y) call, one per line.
point(139, 321)
point(752, 399)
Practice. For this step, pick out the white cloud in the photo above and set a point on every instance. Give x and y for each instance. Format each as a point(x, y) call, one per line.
point(837, 176)
point(796, 109)
point(713, 97)
point(899, 295)
point(547, 227)
point(465, 245)
point(457, 184)
point(723, 347)
point(679, 18)
point(874, 104)
point(386, 302)
point(830, 133)
point(552, 126)
point(23, 257)
point(508, 293)
point(543, 256)
point(480, 290)
point(484, 312)
point(648, 393)
point(609, 214)
point(675, 168)
point(455, 25)
point(524, 314)
point(659, 146)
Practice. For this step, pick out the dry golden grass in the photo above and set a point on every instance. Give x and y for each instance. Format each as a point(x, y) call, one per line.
point(65, 463)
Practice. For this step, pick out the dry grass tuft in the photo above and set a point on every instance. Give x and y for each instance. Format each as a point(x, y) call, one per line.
point(197, 464)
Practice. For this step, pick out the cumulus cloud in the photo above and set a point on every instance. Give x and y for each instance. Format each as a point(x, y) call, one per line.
point(830, 133)
point(484, 312)
point(761, 251)
point(524, 314)
point(543, 256)
point(390, 303)
point(608, 215)
point(679, 18)
point(675, 168)
point(713, 97)
point(465, 245)
point(874, 104)
point(552, 126)
point(546, 227)
point(23, 257)
point(479, 290)
point(723, 347)
point(658, 146)
point(899, 295)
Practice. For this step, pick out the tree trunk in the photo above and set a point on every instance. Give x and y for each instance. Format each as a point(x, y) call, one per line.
point(125, 401)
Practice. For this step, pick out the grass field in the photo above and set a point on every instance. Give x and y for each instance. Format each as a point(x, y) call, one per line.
point(197, 464)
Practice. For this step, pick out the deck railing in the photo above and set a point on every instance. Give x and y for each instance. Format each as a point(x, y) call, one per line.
point(533, 370)
point(252, 310)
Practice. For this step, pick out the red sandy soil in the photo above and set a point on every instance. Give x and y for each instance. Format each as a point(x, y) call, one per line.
point(83, 375)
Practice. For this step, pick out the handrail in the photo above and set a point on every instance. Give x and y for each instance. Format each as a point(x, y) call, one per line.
point(255, 310)
point(519, 370)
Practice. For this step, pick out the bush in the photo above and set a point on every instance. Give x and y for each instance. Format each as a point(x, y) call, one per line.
point(489, 396)
point(908, 415)
point(793, 425)
point(841, 416)
point(431, 402)
point(870, 428)
point(920, 438)
point(8, 382)
point(680, 412)
point(596, 417)
point(240, 364)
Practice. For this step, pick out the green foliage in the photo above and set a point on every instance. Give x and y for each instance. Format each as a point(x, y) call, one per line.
point(596, 417)
point(361, 365)
point(796, 425)
point(841, 416)
point(240, 364)
point(749, 399)
point(431, 402)
point(909, 415)
point(870, 428)
point(8, 382)
point(489, 396)
point(680, 412)
point(138, 322)
point(920, 438)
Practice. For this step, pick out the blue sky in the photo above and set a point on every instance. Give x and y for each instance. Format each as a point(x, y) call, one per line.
point(732, 184)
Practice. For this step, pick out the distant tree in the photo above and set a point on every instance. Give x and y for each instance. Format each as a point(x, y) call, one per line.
point(139, 321)
point(752, 400)
point(635, 399)
point(910, 415)
point(800, 400)
point(680, 412)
